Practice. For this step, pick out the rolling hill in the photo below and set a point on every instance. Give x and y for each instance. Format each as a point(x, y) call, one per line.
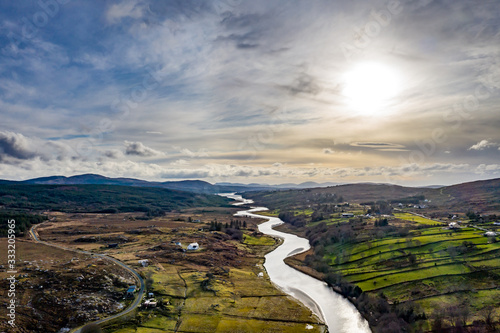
point(102, 198)
point(480, 195)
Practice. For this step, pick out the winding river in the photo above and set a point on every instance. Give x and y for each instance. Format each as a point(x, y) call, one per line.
point(337, 312)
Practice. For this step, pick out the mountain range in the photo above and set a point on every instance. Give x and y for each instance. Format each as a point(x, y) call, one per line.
point(197, 186)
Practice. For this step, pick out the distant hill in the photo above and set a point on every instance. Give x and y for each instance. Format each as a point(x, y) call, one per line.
point(197, 186)
point(102, 198)
point(481, 195)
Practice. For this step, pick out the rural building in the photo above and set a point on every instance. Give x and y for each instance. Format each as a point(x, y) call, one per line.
point(490, 234)
point(150, 303)
point(144, 262)
point(347, 215)
point(151, 295)
point(453, 225)
point(130, 291)
point(113, 245)
point(193, 246)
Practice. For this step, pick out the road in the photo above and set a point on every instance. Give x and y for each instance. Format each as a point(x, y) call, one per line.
point(130, 308)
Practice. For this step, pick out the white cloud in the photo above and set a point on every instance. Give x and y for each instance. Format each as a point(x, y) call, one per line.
point(180, 162)
point(202, 152)
point(139, 149)
point(484, 144)
point(117, 12)
point(492, 169)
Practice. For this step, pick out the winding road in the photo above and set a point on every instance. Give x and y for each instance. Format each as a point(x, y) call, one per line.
point(126, 311)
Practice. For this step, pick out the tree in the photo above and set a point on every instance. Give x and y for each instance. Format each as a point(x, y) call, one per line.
point(412, 259)
point(487, 314)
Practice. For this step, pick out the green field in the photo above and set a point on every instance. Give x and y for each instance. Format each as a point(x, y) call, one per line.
point(440, 275)
point(415, 218)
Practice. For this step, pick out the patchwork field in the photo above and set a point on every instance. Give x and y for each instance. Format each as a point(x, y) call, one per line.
point(222, 287)
point(448, 267)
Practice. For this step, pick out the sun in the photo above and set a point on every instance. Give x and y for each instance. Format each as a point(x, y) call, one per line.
point(369, 87)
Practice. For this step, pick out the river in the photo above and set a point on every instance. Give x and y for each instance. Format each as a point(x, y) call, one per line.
point(336, 311)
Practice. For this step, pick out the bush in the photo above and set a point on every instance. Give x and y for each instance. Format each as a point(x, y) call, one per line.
point(235, 234)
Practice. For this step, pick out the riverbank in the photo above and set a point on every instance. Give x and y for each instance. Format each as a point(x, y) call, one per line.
point(339, 314)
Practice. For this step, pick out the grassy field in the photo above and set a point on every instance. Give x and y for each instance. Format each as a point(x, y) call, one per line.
point(239, 301)
point(440, 275)
point(220, 288)
point(415, 218)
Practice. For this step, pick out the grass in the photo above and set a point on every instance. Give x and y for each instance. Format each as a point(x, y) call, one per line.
point(159, 322)
point(258, 241)
point(419, 274)
point(271, 213)
point(237, 325)
point(415, 218)
point(383, 265)
point(199, 323)
point(149, 330)
point(240, 301)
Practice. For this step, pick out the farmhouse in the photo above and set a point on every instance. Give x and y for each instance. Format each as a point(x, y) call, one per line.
point(347, 215)
point(490, 234)
point(150, 303)
point(453, 225)
point(144, 262)
point(130, 291)
point(193, 247)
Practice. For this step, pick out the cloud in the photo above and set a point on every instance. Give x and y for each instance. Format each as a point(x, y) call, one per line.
point(305, 84)
point(119, 11)
point(492, 169)
point(484, 144)
point(224, 65)
point(113, 153)
point(202, 152)
point(328, 151)
point(139, 149)
point(15, 145)
point(180, 162)
point(378, 145)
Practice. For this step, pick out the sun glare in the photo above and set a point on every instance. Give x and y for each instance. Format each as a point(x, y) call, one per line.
point(369, 87)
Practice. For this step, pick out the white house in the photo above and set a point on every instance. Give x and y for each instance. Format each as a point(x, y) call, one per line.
point(490, 234)
point(150, 303)
point(453, 225)
point(193, 246)
point(144, 262)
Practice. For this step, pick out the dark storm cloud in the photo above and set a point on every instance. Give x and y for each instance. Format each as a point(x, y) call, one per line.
point(14, 145)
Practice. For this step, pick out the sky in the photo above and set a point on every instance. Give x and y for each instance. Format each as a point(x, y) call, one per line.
point(261, 91)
